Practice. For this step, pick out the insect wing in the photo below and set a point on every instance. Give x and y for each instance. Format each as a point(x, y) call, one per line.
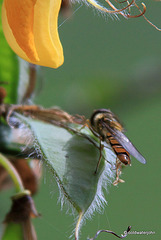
point(125, 143)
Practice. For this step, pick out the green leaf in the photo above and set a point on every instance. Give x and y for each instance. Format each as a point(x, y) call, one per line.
point(12, 231)
point(9, 70)
point(73, 159)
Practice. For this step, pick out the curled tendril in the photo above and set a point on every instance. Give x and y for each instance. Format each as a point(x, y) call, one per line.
point(159, 29)
point(141, 12)
point(128, 6)
point(121, 11)
point(115, 10)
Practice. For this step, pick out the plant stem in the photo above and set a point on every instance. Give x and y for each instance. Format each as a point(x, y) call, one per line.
point(78, 225)
point(13, 173)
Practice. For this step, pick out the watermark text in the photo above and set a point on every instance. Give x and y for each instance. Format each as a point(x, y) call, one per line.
point(140, 232)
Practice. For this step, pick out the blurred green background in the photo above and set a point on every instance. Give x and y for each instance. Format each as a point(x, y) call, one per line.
point(112, 64)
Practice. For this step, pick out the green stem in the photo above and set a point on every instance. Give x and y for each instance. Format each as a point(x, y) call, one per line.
point(13, 173)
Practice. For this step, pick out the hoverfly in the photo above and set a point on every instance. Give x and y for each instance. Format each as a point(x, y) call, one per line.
point(105, 125)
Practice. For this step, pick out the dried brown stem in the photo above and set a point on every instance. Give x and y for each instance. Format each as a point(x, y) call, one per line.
point(32, 82)
point(113, 233)
point(159, 29)
point(141, 12)
point(120, 10)
point(128, 6)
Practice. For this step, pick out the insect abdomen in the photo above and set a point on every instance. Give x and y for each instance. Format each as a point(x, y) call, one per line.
point(121, 153)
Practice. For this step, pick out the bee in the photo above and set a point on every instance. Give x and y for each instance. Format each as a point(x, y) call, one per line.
point(105, 125)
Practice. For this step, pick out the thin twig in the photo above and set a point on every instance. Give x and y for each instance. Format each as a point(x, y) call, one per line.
point(32, 82)
point(13, 173)
point(109, 231)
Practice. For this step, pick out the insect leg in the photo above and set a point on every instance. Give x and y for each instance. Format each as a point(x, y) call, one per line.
point(100, 157)
point(118, 173)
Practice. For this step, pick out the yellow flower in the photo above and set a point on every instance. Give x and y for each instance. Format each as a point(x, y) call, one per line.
point(31, 29)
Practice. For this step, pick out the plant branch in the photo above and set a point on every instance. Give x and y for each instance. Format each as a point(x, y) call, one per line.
point(13, 173)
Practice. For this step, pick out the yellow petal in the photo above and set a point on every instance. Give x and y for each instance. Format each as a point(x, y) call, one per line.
point(20, 15)
point(10, 37)
point(30, 27)
point(46, 34)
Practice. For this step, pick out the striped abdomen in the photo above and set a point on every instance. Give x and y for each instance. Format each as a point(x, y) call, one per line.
point(121, 153)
